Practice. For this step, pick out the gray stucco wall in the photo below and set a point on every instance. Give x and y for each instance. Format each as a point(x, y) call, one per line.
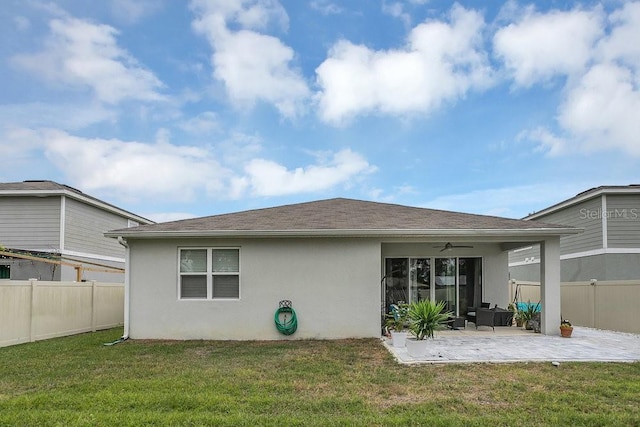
point(334, 285)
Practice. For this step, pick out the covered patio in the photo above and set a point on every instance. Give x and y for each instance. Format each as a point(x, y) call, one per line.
point(510, 344)
point(468, 269)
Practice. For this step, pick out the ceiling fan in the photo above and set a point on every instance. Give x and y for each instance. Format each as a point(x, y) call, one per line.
point(448, 246)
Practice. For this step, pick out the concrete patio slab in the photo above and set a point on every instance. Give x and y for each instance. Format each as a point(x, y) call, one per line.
point(510, 344)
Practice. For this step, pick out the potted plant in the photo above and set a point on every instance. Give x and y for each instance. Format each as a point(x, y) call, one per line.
point(528, 313)
point(566, 329)
point(397, 324)
point(520, 318)
point(512, 308)
point(425, 317)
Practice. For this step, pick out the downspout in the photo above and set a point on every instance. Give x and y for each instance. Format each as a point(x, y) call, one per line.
point(127, 270)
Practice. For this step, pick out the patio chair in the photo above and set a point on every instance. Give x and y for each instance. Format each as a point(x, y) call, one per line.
point(485, 317)
point(471, 311)
point(471, 314)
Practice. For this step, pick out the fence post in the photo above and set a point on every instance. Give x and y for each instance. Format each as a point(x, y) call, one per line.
point(94, 306)
point(32, 332)
point(595, 303)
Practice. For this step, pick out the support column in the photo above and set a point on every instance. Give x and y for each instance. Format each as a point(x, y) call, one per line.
point(550, 286)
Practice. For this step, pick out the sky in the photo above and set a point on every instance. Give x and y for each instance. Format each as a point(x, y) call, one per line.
point(175, 109)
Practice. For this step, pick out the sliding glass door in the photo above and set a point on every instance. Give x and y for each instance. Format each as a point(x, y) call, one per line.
point(469, 283)
point(446, 282)
point(419, 278)
point(456, 281)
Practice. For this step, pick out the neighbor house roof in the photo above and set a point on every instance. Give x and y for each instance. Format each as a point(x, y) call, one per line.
point(587, 195)
point(43, 188)
point(343, 217)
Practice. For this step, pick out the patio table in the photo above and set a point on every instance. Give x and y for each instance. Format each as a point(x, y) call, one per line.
point(503, 317)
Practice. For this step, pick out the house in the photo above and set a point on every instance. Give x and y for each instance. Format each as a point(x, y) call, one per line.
point(340, 262)
point(50, 231)
point(609, 247)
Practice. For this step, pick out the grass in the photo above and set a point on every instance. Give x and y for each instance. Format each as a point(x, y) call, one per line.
point(78, 381)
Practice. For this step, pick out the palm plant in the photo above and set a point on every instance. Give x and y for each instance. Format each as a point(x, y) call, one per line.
point(426, 316)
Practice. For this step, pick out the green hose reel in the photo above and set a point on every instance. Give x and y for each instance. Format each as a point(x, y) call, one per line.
point(286, 326)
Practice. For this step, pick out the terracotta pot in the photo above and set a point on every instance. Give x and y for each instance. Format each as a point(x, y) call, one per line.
point(566, 332)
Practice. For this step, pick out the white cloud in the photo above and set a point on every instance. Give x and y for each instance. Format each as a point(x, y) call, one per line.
point(546, 141)
point(268, 178)
point(601, 100)
point(255, 67)
point(543, 45)
point(130, 12)
point(80, 53)
point(602, 111)
point(130, 169)
point(441, 62)
point(67, 116)
point(202, 124)
point(621, 45)
point(396, 9)
point(248, 14)
point(326, 7)
point(252, 66)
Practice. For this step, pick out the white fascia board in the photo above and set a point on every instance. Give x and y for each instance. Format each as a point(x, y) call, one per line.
point(538, 233)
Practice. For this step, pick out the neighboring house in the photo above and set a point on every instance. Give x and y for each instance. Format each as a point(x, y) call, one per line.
point(609, 247)
point(341, 262)
point(54, 228)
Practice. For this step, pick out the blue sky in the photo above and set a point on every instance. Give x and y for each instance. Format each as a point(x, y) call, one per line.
point(175, 109)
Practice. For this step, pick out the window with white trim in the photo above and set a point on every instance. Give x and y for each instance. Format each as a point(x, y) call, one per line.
point(209, 273)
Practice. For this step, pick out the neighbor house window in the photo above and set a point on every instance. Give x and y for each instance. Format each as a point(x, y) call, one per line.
point(209, 273)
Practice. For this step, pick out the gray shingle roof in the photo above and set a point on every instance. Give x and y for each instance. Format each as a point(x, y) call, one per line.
point(36, 185)
point(338, 214)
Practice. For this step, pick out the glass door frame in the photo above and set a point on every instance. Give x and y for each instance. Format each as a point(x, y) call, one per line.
point(432, 289)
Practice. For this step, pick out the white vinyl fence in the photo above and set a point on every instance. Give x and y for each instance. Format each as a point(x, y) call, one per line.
point(37, 310)
point(608, 304)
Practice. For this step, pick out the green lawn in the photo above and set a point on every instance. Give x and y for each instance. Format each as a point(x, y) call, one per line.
point(78, 381)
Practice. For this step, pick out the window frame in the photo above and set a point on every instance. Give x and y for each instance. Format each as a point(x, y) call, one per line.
point(208, 273)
